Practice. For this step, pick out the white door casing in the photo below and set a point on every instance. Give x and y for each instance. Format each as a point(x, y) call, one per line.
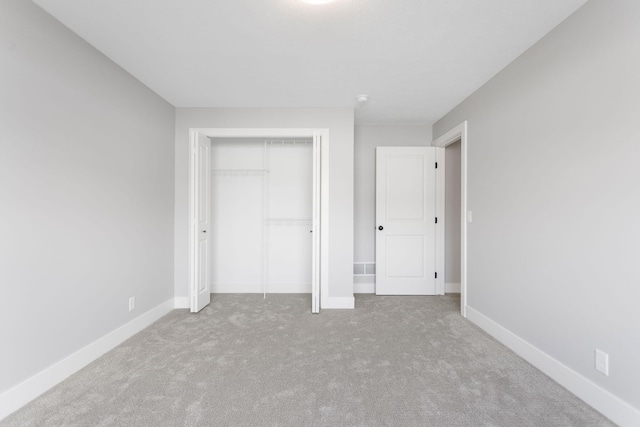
point(201, 286)
point(407, 232)
point(315, 225)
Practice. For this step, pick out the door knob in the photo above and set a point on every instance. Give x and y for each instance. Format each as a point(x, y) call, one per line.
point(380, 228)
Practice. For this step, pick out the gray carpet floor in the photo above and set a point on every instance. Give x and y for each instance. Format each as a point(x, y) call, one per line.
point(246, 361)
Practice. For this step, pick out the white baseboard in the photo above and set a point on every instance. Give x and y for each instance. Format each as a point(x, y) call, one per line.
point(337, 302)
point(370, 288)
point(611, 406)
point(181, 302)
point(452, 288)
point(18, 396)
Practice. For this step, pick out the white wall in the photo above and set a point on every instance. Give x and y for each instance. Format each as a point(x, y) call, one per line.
point(452, 218)
point(367, 138)
point(86, 180)
point(340, 125)
point(553, 155)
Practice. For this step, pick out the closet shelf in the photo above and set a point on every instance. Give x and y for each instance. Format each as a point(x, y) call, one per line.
point(287, 221)
point(239, 172)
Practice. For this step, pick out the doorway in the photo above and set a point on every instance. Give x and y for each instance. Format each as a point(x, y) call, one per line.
point(459, 134)
point(201, 256)
point(452, 218)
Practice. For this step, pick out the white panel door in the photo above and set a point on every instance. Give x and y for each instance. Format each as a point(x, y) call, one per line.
point(406, 221)
point(201, 292)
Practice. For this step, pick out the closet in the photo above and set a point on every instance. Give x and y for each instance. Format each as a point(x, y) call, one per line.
point(261, 215)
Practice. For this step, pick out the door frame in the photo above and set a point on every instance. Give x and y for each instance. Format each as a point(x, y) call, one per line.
point(459, 133)
point(320, 266)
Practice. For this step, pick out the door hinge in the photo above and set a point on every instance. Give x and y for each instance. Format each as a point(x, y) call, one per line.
point(436, 220)
point(436, 165)
point(436, 274)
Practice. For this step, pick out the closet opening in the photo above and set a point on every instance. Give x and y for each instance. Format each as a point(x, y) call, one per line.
point(261, 215)
point(258, 210)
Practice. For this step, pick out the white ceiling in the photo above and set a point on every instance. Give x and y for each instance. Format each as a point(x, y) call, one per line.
point(416, 59)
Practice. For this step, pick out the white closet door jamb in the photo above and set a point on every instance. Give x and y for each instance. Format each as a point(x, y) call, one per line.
point(315, 226)
point(265, 214)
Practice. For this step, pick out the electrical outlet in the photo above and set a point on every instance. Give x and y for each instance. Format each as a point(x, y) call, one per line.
point(132, 303)
point(602, 362)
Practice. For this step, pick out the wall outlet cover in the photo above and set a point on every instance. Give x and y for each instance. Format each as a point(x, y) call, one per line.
point(602, 362)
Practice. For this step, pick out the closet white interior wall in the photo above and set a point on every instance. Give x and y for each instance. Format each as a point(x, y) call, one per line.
point(261, 215)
